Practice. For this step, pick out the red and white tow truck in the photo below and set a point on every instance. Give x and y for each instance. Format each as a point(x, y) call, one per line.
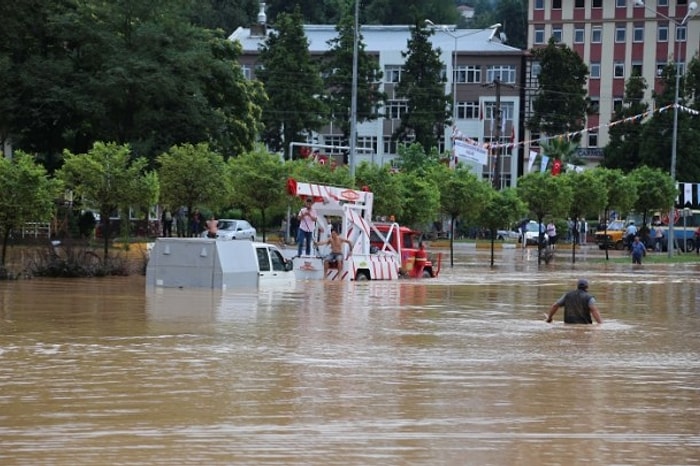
point(378, 252)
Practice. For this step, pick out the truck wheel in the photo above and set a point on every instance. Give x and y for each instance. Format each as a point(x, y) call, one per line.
point(362, 275)
point(620, 245)
point(689, 245)
point(427, 273)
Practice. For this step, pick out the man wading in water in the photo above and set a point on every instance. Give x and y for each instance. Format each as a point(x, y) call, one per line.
point(579, 306)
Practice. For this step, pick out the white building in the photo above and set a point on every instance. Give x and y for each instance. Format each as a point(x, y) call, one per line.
point(475, 57)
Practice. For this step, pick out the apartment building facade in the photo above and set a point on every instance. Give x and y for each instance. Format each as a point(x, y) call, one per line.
point(474, 60)
point(615, 38)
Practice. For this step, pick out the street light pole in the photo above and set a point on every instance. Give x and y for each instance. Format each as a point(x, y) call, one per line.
point(692, 6)
point(353, 97)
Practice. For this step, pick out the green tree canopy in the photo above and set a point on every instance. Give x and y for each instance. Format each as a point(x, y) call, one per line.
point(386, 186)
point(423, 86)
point(194, 176)
point(560, 104)
point(293, 84)
point(108, 177)
point(338, 61)
point(260, 182)
point(28, 195)
point(625, 138)
point(502, 209)
point(656, 190)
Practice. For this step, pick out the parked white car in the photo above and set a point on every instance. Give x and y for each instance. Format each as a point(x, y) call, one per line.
point(532, 233)
point(230, 228)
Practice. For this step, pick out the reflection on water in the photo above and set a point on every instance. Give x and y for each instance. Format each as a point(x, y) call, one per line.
point(457, 370)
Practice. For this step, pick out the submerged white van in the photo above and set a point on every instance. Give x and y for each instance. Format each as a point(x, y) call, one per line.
point(209, 263)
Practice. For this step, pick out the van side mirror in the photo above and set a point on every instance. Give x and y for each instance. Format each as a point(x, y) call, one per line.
point(288, 266)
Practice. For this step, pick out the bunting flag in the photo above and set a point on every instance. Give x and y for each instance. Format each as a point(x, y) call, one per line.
point(456, 134)
point(531, 160)
point(544, 160)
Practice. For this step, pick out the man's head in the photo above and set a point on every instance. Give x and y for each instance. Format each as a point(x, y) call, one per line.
point(309, 202)
point(582, 284)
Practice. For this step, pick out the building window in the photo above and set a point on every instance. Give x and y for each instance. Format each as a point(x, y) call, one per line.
point(594, 105)
point(390, 145)
point(247, 71)
point(504, 73)
point(539, 4)
point(395, 108)
point(617, 104)
point(638, 33)
point(556, 4)
point(539, 35)
point(660, 67)
point(392, 73)
point(579, 35)
point(619, 69)
point(468, 110)
point(338, 142)
point(636, 69)
point(367, 142)
point(620, 33)
point(660, 3)
point(580, 4)
point(662, 34)
point(597, 34)
point(556, 33)
point(473, 74)
point(681, 33)
point(595, 70)
point(536, 70)
point(621, 3)
point(597, 4)
point(592, 139)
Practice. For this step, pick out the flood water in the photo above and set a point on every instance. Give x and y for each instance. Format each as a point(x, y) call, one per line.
point(458, 370)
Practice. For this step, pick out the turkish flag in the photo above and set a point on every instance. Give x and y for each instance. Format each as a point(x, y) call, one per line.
point(556, 167)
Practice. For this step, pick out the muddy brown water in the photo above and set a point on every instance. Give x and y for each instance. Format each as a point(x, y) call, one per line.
point(456, 370)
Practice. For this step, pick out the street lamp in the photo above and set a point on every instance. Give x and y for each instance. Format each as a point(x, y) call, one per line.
point(692, 6)
point(443, 28)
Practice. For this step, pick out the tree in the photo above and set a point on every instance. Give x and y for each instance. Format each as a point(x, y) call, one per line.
point(28, 195)
point(589, 197)
point(293, 84)
point(406, 11)
point(386, 186)
point(621, 192)
point(545, 195)
point(560, 105)
point(656, 190)
point(503, 208)
point(338, 61)
point(656, 142)
point(462, 197)
point(420, 198)
point(423, 86)
point(194, 176)
point(260, 182)
point(562, 149)
point(131, 72)
point(108, 177)
point(413, 158)
point(512, 14)
point(625, 136)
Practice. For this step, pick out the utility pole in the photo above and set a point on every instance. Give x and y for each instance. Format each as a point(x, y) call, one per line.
point(497, 137)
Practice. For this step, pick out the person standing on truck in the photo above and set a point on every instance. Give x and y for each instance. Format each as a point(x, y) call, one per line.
point(307, 223)
point(336, 254)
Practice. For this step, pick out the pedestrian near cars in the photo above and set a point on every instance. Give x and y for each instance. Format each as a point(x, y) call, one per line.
point(167, 221)
point(579, 306)
point(630, 233)
point(637, 250)
point(658, 238)
point(212, 227)
point(552, 233)
point(697, 241)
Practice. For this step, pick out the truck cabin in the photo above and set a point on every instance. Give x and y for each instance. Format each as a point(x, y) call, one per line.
point(399, 237)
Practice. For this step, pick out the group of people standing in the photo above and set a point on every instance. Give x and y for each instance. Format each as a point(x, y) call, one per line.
point(184, 226)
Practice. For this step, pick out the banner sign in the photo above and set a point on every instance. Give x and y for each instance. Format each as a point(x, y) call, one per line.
point(469, 152)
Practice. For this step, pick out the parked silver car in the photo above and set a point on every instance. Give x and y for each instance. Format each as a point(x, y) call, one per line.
point(231, 228)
